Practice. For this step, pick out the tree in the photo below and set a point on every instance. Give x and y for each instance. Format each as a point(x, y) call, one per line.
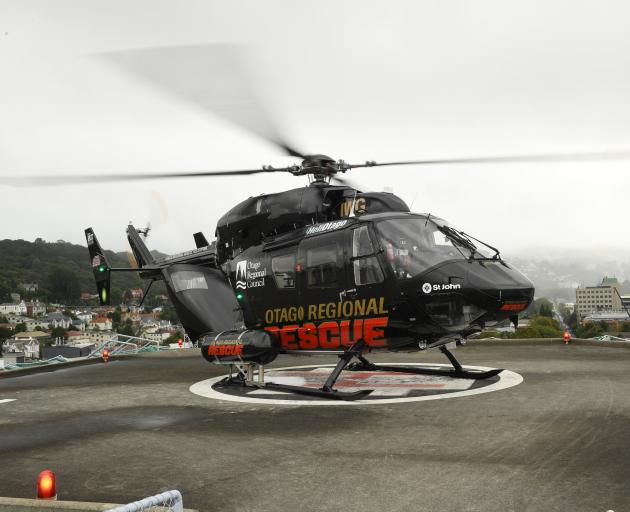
point(63, 285)
point(590, 330)
point(127, 328)
point(539, 327)
point(174, 338)
point(21, 327)
point(168, 313)
point(545, 310)
point(58, 332)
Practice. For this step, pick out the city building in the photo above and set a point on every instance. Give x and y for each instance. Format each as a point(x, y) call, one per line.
point(604, 297)
point(607, 316)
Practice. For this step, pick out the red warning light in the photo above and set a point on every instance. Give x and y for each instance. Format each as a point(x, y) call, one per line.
point(105, 354)
point(180, 342)
point(46, 488)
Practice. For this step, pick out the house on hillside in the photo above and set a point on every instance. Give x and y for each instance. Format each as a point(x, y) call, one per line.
point(29, 346)
point(13, 308)
point(36, 308)
point(57, 320)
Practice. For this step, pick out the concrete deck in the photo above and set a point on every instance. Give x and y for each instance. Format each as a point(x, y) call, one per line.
point(119, 431)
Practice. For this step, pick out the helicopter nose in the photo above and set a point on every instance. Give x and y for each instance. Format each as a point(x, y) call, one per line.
point(507, 291)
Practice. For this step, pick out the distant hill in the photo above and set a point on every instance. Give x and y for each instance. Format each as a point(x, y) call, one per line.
point(61, 270)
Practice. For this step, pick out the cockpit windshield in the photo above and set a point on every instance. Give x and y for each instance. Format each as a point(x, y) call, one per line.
point(415, 244)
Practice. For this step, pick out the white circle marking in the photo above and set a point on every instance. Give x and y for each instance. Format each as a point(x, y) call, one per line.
point(507, 379)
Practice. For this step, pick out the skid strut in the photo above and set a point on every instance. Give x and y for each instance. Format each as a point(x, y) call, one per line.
point(457, 372)
point(245, 377)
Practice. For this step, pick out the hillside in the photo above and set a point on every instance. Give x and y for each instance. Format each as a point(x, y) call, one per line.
point(61, 270)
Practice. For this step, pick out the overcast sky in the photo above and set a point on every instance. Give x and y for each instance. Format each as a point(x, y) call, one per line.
point(358, 80)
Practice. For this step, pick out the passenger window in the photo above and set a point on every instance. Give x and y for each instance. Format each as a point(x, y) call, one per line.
point(283, 268)
point(366, 267)
point(188, 280)
point(321, 265)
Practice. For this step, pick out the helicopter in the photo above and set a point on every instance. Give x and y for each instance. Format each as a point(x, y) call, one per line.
point(322, 269)
point(329, 269)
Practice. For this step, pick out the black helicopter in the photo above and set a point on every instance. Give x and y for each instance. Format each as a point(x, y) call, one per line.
point(319, 269)
point(327, 268)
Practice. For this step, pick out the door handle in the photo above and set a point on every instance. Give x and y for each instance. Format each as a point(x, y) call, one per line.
point(347, 294)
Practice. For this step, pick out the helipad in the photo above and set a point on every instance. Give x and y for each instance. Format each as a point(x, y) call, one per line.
point(387, 387)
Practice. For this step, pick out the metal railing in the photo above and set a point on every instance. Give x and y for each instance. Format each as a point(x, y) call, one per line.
point(120, 344)
point(172, 501)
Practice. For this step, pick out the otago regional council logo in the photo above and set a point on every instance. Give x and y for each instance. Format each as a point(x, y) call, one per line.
point(241, 275)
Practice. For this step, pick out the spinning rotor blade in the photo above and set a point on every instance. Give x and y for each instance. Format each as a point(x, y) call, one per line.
point(554, 157)
point(211, 76)
point(69, 179)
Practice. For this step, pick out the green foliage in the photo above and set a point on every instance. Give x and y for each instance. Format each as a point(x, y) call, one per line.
point(545, 310)
point(21, 327)
point(127, 328)
point(62, 271)
point(168, 313)
point(3, 320)
point(62, 284)
point(58, 332)
point(591, 329)
point(173, 338)
point(539, 329)
point(540, 307)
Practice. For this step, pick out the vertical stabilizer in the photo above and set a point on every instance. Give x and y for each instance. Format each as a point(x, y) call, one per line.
point(100, 267)
point(140, 251)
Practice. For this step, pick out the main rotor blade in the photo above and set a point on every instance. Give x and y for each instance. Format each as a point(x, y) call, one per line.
point(70, 179)
point(552, 157)
point(210, 76)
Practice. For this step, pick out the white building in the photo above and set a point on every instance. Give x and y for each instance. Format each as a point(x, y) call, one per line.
point(29, 346)
point(604, 297)
point(13, 308)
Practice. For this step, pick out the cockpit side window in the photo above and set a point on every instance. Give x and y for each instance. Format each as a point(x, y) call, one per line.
point(365, 265)
point(321, 266)
point(283, 268)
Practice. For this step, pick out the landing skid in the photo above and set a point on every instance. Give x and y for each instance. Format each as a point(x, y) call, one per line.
point(245, 375)
point(457, 371)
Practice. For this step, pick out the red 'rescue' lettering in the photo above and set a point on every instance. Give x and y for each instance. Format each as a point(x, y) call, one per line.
point(225, 350)
point(331, 335)
point(328, 335)
point(374, 331)
point(288, 339)
point(351, 332)
point(307, 335)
